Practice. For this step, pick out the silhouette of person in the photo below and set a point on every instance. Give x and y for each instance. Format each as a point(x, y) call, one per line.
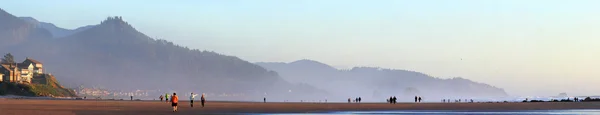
point(391, 100)
point(419, 99)
point(395, 99)
point(202, 99)
point(443, 100)
point(359, 99)
point(132, 98)
point(265, 100)
point(416, 99)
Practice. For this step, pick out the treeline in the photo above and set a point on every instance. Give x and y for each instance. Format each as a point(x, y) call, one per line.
point(591, 99)
point(587, 99)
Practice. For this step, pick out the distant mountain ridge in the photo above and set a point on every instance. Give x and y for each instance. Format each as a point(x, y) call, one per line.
point(114, 55)
point(15, 31)
point(56, 31)
point(378, 82)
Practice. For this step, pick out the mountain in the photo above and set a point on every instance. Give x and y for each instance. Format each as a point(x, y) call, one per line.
point(56, 32)
point(380, 83)
point(114, 55)
point(302, 71)
point(15, 31)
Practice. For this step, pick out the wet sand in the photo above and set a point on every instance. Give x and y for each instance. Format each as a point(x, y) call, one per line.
point(104, 107)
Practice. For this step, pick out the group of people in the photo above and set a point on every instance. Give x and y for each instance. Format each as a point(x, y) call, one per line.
point(357, 100)
point(175, 99)
point(457, 101)
point(166, 97)
point(392, 100)
point(417, 99)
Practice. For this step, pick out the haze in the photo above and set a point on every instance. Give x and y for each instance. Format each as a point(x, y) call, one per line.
point(533, 47)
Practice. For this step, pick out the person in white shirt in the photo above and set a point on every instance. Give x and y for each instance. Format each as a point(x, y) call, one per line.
point(192, 96)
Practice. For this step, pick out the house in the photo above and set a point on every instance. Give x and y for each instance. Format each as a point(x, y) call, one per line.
point(20, 72)
point(10, 71)
point(37, 66)
point(26, 73)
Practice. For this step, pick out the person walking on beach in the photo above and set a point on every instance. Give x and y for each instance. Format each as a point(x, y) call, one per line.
point(161, 98)
point(167, 97)
point(416, 99)
point(192, 96)
point(349, 100)
point(202, 100)
point(174, 100)
point(131, 98)
point(359, 99)
point(419, 99)
point(264, 99)
point(395, 99)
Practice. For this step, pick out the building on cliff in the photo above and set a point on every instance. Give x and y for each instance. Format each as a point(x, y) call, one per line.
point(20, 72)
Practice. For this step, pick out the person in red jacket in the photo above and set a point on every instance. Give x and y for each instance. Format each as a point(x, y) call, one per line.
point(174, 100)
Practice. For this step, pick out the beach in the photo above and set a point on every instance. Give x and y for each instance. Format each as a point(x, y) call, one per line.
point(107, 107)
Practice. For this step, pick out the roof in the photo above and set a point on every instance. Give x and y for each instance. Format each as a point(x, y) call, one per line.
point(23, 65)
point(33, 61)
point(6, 67)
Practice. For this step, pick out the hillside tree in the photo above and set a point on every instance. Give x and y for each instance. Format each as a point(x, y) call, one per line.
point(8, 58)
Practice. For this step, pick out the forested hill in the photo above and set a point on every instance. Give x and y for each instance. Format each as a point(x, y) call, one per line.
point(114, 55)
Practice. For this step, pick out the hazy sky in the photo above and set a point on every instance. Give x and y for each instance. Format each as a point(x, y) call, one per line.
point(528, 47)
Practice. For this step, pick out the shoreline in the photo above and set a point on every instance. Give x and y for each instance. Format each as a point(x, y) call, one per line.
point(117, 107)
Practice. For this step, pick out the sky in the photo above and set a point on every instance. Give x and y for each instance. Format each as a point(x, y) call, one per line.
point(527, 47)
